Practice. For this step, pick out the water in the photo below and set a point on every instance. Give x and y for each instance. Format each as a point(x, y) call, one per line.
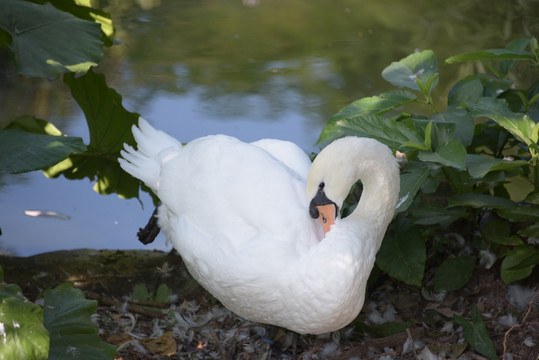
point(252, 69)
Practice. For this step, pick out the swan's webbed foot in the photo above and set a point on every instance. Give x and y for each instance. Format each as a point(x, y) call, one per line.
point(148, 234)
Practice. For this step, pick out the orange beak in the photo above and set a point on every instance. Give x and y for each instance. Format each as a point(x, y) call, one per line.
point(327, 216)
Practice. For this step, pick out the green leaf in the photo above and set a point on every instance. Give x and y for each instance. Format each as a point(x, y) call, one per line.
point(515, 45)
point(519, 213)
point(390, 132)
point(431, 215)
point(479, 165)
point(531, 231)
point(499, 232)
point(47, 41)
point(518, 124)
point(162, 294)
point(109, 125)
point(476, 334)
point(461, 120)
point(10, 290)
point(73, 334)
point(418, 71)
point(454, 273)
point(451, 154)
point(481, 201)
point(519, 263)
point(402, 254)
point(21, 151)
point(140, 293)
point(493, 54)
point(465, 91)
point(22, 334)
point(377, 105)
point(83, 10)
point(411, 181)
point(492, 85)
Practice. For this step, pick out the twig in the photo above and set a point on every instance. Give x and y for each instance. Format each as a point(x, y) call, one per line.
point(411, 341)
point(517, 325)
point(162, 305)
point(220, 347)
point(109, 301)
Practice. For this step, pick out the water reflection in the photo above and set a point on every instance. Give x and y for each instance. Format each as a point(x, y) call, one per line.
point(252, 69)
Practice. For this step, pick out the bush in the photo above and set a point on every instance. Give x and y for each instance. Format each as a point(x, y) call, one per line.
point(471, 169)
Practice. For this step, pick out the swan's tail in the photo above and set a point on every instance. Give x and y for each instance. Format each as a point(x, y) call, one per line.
point(154, 148)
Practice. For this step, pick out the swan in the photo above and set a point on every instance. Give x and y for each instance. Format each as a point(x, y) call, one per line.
point(257, 224)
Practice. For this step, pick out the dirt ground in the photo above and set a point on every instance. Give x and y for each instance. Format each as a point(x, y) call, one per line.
point(191, 324)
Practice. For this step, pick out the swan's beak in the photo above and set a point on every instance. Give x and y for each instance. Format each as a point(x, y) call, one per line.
point(327, 216)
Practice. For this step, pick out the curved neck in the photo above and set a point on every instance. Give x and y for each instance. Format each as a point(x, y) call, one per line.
point(380, 179)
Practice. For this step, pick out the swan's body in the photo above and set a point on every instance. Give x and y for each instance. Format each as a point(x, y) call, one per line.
point(238, 215)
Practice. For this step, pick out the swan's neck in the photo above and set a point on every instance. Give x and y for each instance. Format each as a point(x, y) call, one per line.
point(380, 192)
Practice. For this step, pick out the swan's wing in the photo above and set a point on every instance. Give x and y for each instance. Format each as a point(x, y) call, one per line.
point(225, 189)
point(288, 153)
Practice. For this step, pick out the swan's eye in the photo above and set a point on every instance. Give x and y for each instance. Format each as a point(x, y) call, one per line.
point(324, 219)
point(321, 186)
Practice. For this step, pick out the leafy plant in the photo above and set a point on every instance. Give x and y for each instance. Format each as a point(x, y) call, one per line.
point(49, 40)
point(61, 329)
point(472, 165)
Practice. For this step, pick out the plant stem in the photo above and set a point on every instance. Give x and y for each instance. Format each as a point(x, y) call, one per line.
point(430, 103)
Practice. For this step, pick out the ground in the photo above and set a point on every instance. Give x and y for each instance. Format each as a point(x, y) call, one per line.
point(191, 324)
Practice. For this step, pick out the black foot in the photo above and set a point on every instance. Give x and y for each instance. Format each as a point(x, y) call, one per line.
point(150, 231)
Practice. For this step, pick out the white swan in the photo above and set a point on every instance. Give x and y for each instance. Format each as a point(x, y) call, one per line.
point(238, 215)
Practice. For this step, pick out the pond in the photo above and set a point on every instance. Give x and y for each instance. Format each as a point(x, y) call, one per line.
point(252, 69)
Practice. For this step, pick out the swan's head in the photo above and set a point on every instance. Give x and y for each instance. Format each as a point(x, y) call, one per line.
point(330, 178)
point(339, 165)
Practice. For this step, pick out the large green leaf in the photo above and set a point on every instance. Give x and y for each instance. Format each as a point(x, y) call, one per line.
point(518, 124)
point(476, 334)
point(22, 335)
point(430, 215)
point(454, 273)
point(388, 131)
point(499, 232)
point(109, 124)
point(83, 10)
point(465, 91)
point(479, 165)
point(73, 334)
point(519, 213)
point(475, 200)
point(47, 41)
point(418, 71)
point(492, 54)
point(402, 254)
point(519, 263)
point(22, 151)
point(377, 105)
point(451, 154)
